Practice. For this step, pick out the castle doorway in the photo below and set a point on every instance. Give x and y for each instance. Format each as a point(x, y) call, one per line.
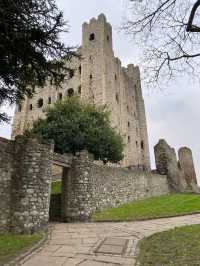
point(59, 188)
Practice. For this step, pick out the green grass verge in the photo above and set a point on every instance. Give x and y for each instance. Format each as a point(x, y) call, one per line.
point(164, 206)
point(12, 245)
point(177, 247)
point(56, 187)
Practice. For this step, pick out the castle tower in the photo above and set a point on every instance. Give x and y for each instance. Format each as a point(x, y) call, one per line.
point(96, 45)
point(99, 77)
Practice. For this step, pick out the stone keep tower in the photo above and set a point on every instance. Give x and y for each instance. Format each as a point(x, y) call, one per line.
point(99, 77)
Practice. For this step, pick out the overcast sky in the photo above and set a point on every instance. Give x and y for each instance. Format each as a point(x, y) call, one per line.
point(173, 114)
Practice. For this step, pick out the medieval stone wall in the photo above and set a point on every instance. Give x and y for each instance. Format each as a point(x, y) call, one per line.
point(98, 77)
point(25, 177)
point(6, 169)
point(88, 187)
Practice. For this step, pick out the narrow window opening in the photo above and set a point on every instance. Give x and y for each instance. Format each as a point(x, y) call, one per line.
point(70, 92)
point(127, 108)
point(19, 108)
point(60, 96)
point(79, 69)
point(71, 73)
point(142, 145)
point(115, 77)
point(40, 103)
point(90, 76)
point(129, 139)
point(49, 100)
point(128, 124)
point(92, 37)
point(79, 89)
point(30, 107)
point(108, 38)
point(117, 97)
point(136, 143)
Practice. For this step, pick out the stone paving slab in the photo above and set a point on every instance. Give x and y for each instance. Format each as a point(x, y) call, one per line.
point(74, 244)
point(110, 249)
point(115, 241)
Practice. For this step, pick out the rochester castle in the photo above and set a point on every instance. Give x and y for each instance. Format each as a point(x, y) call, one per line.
point(98, 77)
point(27, 166)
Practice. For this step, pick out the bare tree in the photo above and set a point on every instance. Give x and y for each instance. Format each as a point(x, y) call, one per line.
point(169, 31)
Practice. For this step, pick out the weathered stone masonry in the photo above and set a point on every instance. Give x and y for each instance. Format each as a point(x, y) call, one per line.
point(89, 187)
point(181, 174)
point(26, 172)
point(25, 176)
point(98, 77)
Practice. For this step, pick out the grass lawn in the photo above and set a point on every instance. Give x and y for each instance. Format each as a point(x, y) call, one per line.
point(177, 247)
point(56, 187)
point(164, 206)
point(12, 245)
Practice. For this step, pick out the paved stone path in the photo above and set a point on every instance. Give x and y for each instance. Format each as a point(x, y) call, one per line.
point(98, 244)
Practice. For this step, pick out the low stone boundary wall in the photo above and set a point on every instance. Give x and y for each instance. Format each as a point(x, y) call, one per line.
point(89, 187)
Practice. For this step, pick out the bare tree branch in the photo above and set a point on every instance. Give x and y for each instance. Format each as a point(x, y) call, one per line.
point(166, 32)
point(190, 26)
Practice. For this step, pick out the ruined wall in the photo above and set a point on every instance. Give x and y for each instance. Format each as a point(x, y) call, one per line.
point(187, 166)
point(181, 174)
point(88, 187)
point(25, 178)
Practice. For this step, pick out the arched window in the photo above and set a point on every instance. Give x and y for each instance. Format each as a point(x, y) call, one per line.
point(30, 107)
point(40, 103)
point(92, 37)
point(60, 96)
point(70, 92)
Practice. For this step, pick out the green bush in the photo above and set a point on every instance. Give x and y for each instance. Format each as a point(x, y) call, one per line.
point(75, 126)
